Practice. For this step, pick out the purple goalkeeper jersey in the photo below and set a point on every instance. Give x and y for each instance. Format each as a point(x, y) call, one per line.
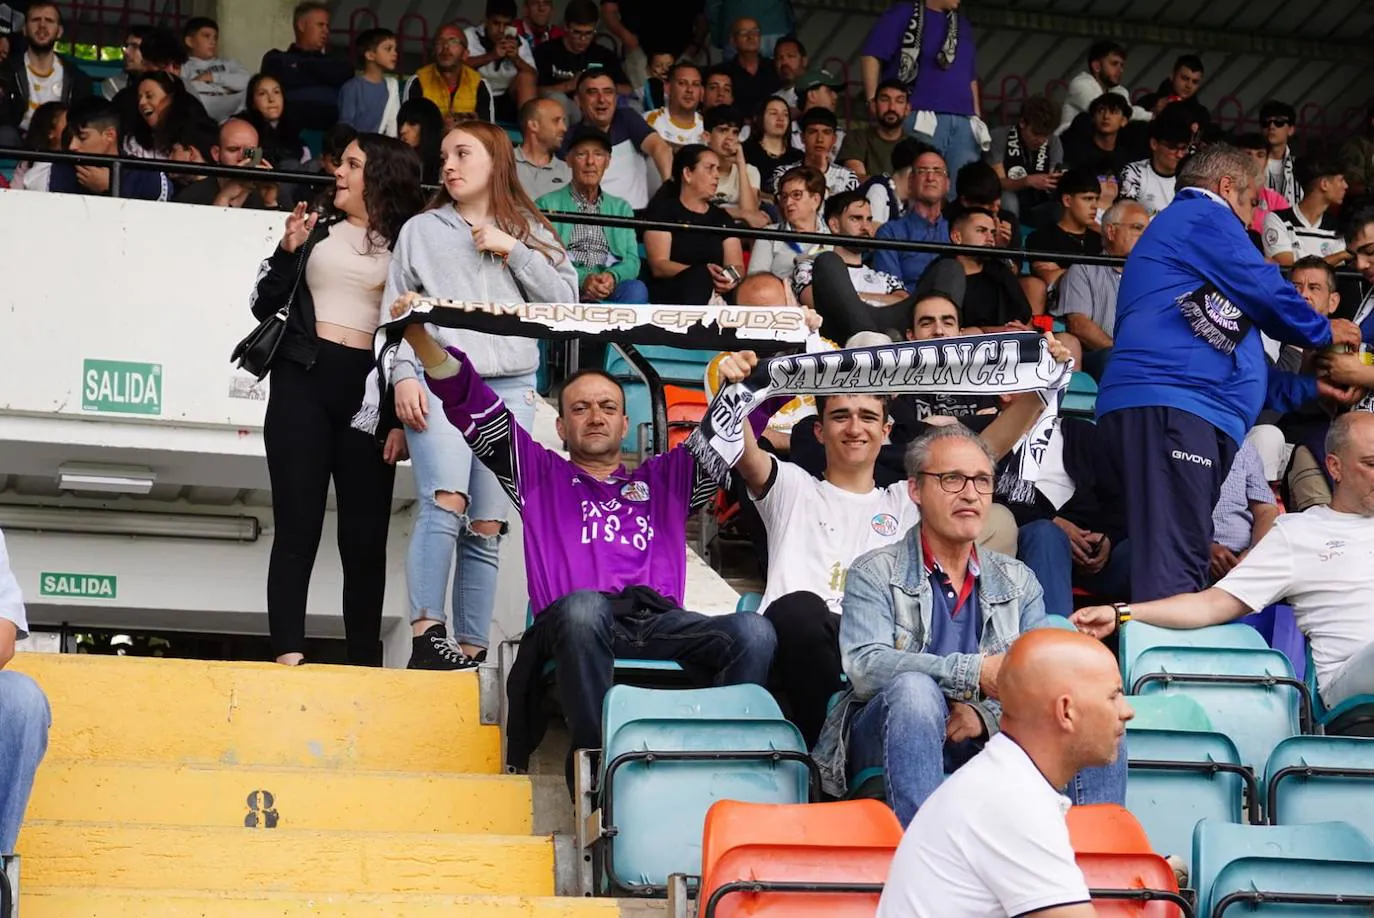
point(581, 533)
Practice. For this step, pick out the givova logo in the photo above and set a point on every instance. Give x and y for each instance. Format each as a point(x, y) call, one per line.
point(1193, 458)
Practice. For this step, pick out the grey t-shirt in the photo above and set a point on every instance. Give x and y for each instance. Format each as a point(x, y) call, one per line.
point(997, 153)
point(540, 180)
point(1090, 290)
point(11, 600)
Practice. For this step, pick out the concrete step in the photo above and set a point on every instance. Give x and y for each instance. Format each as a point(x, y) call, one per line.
point(79, 902)
point(73, 854)
point(127, 709)
point(286, 798)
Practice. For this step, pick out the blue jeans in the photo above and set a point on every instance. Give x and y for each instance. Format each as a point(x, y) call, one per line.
point(630, 291)
point(592, 630)
point(1044, 548)
point(953, 139)
point(442, 462)
point(24, 722)
point(902, 731)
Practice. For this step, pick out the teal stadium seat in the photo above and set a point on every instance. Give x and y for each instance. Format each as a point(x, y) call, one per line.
point(749, 602)
point(668, 755)
point(1303, 863)
point(1321, 779)
point(1168, 712)
point(1177, 778)
point(1081, 397)
point(1250, 695)
point(675, 365)
point(1060, 622)
point(1352, 717)
point(1137, 637)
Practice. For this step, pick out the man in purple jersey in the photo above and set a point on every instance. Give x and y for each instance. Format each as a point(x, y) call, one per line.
point(605, 549)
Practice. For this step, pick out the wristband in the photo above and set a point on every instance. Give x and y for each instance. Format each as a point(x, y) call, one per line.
point(1123, 612)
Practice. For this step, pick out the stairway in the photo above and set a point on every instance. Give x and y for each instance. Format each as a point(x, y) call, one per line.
point(181, 788)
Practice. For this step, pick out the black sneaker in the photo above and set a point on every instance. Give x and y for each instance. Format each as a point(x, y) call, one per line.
point(435, 650)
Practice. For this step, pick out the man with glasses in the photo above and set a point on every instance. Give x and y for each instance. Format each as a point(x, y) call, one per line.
point(559, 62)
point(1279, 122)
point(1151, 181)
point(1188, 376)
point(924, 220)
point(753, 75)
point(927, 623)
point(457, 89)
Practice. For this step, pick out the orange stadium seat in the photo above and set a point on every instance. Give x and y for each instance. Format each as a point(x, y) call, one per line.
point(686, 407)
point(1115, 856)
point(794, 852)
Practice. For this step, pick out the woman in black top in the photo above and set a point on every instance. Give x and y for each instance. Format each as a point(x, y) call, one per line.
point(770, 142)
point(278, 129)
point(329, 272)
point(420, 126)
point(687, 268)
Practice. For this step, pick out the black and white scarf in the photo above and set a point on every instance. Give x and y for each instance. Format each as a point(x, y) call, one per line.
point(909, 62)
point(1014, 160)
point(995, 364)
point(1287, 182)
point(766, 329)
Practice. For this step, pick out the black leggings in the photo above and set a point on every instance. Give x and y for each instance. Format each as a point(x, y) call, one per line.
point(806, 665)
point(844, 312)
point(309, 440)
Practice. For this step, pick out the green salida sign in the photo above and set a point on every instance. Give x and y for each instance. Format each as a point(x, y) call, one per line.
point(77, 586)
point(120, 387)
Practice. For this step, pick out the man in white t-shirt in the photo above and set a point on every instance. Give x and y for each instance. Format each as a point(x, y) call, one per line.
point(849, 214)
point(679, 121)
point(503, 58)
point(1309, 227)
point(992, 840)
point(738, 191)
point(1151, 181)
point(1320, 562)
point(817, 527)
point(24, 715)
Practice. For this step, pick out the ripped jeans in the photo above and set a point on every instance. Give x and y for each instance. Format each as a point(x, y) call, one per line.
point(442, 462)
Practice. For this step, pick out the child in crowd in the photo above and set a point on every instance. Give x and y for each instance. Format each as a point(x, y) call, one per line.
point(371, 100)
point(219, 84)
point(655, 87)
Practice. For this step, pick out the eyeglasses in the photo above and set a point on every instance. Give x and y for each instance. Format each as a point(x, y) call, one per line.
point(748, 33)
point(931, 170)
point(792, 195)
point(450, 42)
point(1276, 122)
point(954, 482)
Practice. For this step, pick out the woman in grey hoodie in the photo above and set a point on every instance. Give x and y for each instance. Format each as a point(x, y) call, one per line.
point(484, 240)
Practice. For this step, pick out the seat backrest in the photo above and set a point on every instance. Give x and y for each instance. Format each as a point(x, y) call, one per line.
point(686, 408)
point(674, 364)
point(1299, 797)
point(1140, 870)
point(1255, 717)
point(1216, 844)
point(1282, 875)
point(1169, 803)
point(847, 842)
point(1105, 828)
point(1168, 712)
point(1138, 637)
point(657, 808)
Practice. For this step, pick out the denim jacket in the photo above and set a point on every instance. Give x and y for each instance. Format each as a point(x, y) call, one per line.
point(885, 630)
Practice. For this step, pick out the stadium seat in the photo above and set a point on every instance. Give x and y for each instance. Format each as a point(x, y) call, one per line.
point(749, 850)
point(686, 408)
point(1138, 637)
point(1060, 622)
point(668, 755)
point(1124, 873)
point(1177, 778)
point(1168, 712)
point(674, 365)
point(1352, 717)
point(1250, 695)
point(1321, 779)
point(749, 602)
point(1321, 859)
point(1081, 397)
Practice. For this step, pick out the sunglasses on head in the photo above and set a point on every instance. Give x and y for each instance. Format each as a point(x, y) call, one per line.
point(1276, 122)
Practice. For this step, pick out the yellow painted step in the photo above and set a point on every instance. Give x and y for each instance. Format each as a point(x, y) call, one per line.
point(119, 903)
point(282, 860)
point(130, 709)
point(292, 798)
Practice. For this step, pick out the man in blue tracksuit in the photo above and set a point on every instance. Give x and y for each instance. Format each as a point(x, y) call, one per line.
point(1188, 376)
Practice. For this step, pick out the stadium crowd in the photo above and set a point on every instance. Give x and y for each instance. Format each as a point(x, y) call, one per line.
point(901, 561)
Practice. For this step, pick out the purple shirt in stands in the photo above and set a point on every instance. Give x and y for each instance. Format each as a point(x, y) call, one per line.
point(936, 89)
point(581, 533)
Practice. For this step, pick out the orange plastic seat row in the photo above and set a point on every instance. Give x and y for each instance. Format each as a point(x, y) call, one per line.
point(1126, 876)
point(827, 860)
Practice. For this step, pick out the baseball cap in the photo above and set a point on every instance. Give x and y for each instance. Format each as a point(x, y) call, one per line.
point(818, 77)
point(585, 132)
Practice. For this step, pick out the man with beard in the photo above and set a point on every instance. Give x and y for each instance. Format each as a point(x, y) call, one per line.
point(869, 152)
point(848, 293)
point(38, 75)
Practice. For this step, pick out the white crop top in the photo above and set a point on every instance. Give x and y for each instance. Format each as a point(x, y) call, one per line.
point(346, 281)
